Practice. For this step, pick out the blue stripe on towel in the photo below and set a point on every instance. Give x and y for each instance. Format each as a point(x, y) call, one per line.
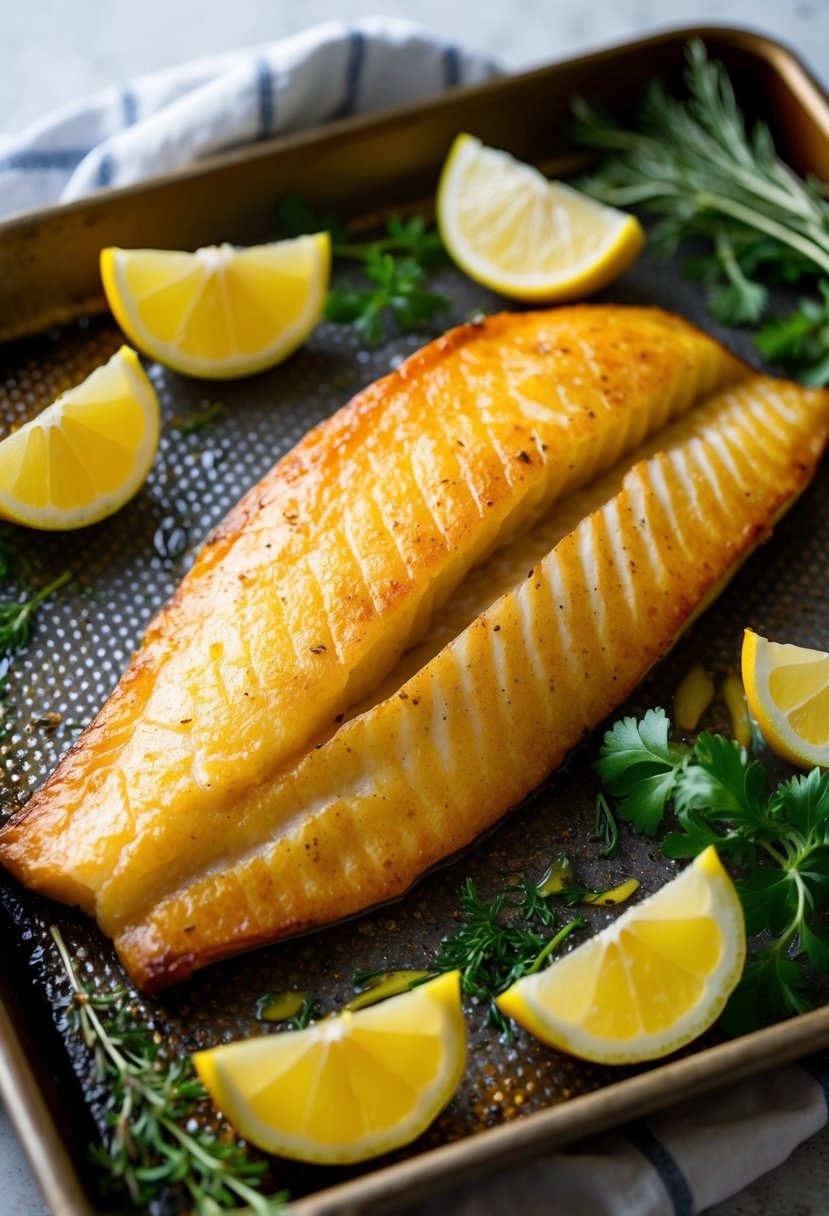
point(818, 1067)
point(42, 160)
point(267, 108)
point(129, 106)
point(670, 1175)
point(353, 70)
point(451, 66)
point(106, 170)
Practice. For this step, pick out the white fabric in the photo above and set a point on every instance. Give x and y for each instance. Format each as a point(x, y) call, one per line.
point(173, 118)
point(678, 1163)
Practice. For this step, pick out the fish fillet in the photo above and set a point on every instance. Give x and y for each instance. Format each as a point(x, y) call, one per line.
point(269, 762)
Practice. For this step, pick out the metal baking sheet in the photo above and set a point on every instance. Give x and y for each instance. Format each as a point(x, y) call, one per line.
point(516, 1097)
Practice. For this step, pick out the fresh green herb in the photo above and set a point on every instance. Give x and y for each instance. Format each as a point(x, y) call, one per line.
point(150, 1143)
point(605, 827)
point(13, 564)
point(17, 617)
point(800, 340)
point(199, 420)
point(697, 166)
point(778, 843)
point(494, 945)
point(298, 218)
point(639, 765)
point(411, 238)
point(397, 289)
point(395, 265)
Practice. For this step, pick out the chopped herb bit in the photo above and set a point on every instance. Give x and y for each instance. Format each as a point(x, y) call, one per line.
point(199, 420)
point(605, 827)
point(152, 1142)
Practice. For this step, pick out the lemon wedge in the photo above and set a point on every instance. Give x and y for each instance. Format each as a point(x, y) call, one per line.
point(512, 230)
point(86, 454)
point(347, 1088)
point(787, 689)
point(647, 984)
point(219, 312)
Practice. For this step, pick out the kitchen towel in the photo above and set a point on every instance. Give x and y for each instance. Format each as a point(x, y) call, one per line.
point(174, 118)
point(675, 1164)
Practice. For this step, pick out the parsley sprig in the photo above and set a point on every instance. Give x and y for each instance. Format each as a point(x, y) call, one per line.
point(708, 176)
point(497, 944)
point(394, 267)
point(151, 1144)
point(778, 844)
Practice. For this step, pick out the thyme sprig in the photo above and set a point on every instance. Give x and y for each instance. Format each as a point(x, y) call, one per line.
point(496, 945)
point(151, 1143)
point(17, 617)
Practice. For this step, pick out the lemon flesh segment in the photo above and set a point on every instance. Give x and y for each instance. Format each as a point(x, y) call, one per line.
point(787, 690)
point(87, 454)
point(220, 312)
point(347, 1088)
point(649, 983)
point(511, 229)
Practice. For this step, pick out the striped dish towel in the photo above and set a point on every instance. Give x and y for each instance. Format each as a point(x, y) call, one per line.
point(681, 1162)
point(678, 1163)
point(173, 118)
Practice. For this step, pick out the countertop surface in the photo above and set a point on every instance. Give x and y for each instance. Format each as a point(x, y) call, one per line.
point(55, 52)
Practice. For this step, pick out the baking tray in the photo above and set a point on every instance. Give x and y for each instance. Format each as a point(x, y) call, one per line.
point(517, 1099)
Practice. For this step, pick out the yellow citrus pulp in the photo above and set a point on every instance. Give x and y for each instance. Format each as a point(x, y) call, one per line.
point(787, 689)
point(347, 1088)
point(512, 230)
point(219, 312)
point(647, 984)
point(86, 454)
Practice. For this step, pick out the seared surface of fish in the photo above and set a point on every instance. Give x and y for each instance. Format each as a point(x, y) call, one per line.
point(220, 799)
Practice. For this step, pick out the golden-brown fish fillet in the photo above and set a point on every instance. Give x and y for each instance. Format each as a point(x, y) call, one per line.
point(216, 802)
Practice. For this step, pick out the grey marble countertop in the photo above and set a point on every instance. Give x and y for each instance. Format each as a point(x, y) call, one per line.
point(55, 52)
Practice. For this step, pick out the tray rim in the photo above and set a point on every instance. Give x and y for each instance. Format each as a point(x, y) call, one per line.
point(585, 1115)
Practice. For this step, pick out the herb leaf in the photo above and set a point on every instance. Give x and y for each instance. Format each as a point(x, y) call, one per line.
point(640, 766)
point(779, 844)
point(151, 1145)
point(697, 166)
point(494, 945)
point(800, 340)
point(397, 290)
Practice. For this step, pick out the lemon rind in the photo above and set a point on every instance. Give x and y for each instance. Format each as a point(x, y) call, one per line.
point(522, 1002)
point(593, 272)
point(213, 1071)
point(58, 519)
point(234, 366)
point(781, 738)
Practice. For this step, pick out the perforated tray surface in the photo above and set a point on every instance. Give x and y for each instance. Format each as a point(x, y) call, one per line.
point(125, 568)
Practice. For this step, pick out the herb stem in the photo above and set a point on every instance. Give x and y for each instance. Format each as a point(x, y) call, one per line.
point(578, 922)
point(755, 219)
